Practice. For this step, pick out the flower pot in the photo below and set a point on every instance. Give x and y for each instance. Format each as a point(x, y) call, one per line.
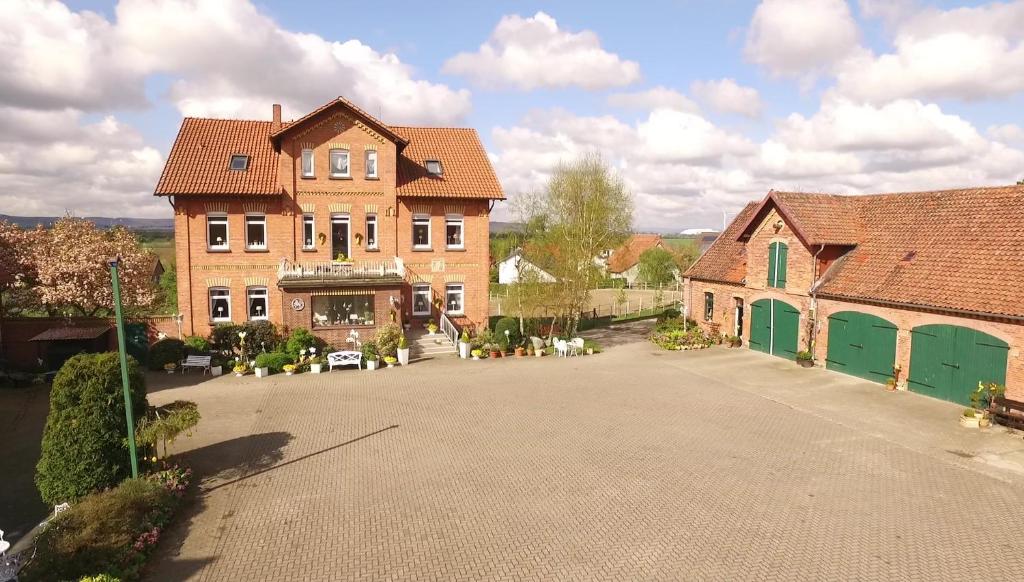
point(216, 370)
point(315, 368)
point(371, 364)
point(262, 372)
point(239, 374)
point(495, 355)
point(806, 363)
point(520, 352)
point(403, 356)
point(984, 421)
point(289, 373)
point(463, 350)
point(969, 421)
point(539, 353)
point(477, 358)
point(590, 351)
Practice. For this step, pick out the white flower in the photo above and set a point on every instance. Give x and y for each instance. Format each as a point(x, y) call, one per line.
point(241, 335)
point(161, 336)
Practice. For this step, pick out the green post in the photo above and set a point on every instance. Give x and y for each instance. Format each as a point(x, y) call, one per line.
point(124, 366)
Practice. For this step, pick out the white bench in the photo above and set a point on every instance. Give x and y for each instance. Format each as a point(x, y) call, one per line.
point(345, 358)
point(202, 362)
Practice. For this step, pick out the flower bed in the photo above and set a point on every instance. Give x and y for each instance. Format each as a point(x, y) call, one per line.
point(112, 532)
point(675, 334)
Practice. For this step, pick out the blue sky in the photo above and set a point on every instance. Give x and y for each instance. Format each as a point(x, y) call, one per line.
point(821, 95)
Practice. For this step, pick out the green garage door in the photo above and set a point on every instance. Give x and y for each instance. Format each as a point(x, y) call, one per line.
point(861, 345)
point(948, 361)
point(774, 327)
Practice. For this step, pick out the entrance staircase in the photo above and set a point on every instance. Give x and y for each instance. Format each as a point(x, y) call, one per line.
point(423, 346)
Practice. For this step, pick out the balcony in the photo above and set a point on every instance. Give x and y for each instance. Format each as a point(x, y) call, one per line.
point(339, 273)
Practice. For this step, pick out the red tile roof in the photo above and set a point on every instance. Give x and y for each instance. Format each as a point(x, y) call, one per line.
point(726, 259)
point(628, 255)
point(466, 171)
point(198, 163)
point(951, 249)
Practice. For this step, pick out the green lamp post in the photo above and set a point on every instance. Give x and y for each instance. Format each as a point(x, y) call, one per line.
point(114, 264)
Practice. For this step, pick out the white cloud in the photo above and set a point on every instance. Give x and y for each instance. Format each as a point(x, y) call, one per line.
point(530, 53)
point(800, 37)
point(965, 53)
point(728, 96)
point(1007, 133)
point(656, 98)
point(677, 136)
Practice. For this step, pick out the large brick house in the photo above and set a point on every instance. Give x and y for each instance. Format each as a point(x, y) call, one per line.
point(331, 222)
point(923, 287)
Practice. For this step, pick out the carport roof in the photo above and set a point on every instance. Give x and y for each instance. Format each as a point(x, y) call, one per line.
point(71, 333)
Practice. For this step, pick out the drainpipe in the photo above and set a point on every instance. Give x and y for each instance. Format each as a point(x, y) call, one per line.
point(813, 340)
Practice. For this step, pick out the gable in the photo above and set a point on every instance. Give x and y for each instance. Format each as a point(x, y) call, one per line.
point(333, 111)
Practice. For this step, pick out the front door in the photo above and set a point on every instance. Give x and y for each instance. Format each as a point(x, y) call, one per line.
point(774, 328)
point(339, 238)
point(738, 319)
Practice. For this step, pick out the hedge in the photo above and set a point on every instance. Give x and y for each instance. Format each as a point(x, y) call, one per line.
point(166, 351)
point(275, 361)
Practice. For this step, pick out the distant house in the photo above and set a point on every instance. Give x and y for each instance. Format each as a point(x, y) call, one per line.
point(624, 262)
point(512, 266)
point(706, 239)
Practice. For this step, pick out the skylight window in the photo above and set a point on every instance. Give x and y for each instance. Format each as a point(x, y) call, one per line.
point(239, 162)
point(433, 167)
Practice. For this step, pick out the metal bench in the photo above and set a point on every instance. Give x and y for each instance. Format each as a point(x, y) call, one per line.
point(1008, 412)
point(202, 362)
point(344, 358)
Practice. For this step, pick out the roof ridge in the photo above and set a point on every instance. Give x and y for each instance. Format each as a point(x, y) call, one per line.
point(187, 117)
point(433, 127)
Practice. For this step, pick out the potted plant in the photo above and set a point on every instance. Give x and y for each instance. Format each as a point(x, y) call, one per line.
point(370, 355)
point(530, 350)
point(970, 419)
point(390, 361)
point(289, 369)
point(495, 350)
point(981, 403)
point(216, 366)
point(341, 258)
point(403, 351)
point(240, 369)
point(520, 351)
point(805, 358)
point(476, 354)
point(170, 366)
point(890, 384)
point(431, 328)
point(262, 372)
point(315, 364)
point(464, 345)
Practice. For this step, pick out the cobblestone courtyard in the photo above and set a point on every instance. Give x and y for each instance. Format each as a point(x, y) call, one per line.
point(631, 465)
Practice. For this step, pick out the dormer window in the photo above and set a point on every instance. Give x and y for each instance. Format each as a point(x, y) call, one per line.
point(239, 163)
point(433, 167)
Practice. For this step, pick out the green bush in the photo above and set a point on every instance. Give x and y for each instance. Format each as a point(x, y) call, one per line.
point(100, 578)
point(166, 351)
point(163, 424)
point(302, 339)
point(85, 442)
point(261, 336)
point(197, 345)
point(224, 337)
point(370, 350)
point(109, 532)
point(275, 361)
point(670, 313)
point(511, 325)
point(387, 339)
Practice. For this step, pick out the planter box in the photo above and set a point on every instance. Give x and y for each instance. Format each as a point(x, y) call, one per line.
point(216, 370)
point(315, 368)
point(403, 356)
point(262, 372)
point(371, 364)
point(464, 350)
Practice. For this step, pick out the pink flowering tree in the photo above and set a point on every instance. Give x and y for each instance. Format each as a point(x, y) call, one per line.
point(17, 269)
point(73, 276)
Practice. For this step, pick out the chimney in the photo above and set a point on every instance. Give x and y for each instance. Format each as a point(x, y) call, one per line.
point(276, 125)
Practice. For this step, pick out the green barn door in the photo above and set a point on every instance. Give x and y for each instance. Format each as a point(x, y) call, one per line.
point(948, 361)
point(861, 345)
point(761, 325)
point(785, 330)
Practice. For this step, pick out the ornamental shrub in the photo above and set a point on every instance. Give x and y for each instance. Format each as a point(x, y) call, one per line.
point(387, 340)
point(224, 337)
point(84, 445)
point(302, 339)
point(261, 336)
point(275, 361)
point(511, 325)
point(197, 345)
point(166, 351)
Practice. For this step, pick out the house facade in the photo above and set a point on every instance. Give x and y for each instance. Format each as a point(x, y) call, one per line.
point(624, 262)
point(333, 222)
point(515, 264)
point(920, 287)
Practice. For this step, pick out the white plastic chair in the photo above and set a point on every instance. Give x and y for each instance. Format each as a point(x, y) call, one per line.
point(576, 346)
point(562, 348)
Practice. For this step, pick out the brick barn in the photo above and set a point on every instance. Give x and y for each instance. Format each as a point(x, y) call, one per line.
point(923, 287)
point(332, 222)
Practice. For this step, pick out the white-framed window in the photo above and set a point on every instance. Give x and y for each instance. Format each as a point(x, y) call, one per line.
point(307, 163)
point(421, 231)
point(371, 232)
point(340, 164)
point(256, 231)
point(371, 163)
point(257, 302)
point(434, 167)
point(308, 231)
point(220, 304)
point(454, 293)
point(239, 162)
point(217, 231)
point(453, 231)
point(421, 299)
point(341, 235)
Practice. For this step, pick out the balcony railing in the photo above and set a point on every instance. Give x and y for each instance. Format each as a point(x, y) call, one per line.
point(340, 270)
